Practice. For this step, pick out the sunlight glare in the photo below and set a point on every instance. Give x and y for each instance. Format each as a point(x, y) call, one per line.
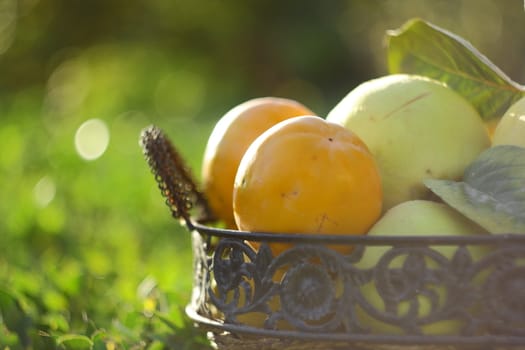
point(44, 191)
point(92, 139)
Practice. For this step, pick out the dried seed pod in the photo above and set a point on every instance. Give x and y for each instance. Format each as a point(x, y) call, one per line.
point(174, 178)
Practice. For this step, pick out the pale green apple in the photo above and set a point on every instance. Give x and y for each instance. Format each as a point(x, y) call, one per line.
point(416, 218)
point(416, 128)
point(510, 130)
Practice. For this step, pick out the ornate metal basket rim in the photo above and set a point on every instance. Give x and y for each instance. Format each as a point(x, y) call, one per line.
point(391, 339)
point(400, 242)
point(408, 239)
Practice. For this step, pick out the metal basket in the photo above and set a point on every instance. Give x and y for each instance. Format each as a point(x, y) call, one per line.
point(389, 292)
point(425, 292)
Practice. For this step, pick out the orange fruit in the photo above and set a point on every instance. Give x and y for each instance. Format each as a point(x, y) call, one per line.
point(230, 138)
point(307, 175)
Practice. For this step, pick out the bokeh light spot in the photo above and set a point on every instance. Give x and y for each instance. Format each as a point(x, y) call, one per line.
point(67, 87)
point(92, 139)
point(44, 191)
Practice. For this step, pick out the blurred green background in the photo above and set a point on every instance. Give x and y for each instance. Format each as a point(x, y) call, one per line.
point(89, 254)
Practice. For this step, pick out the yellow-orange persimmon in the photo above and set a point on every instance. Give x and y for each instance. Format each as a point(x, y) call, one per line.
point(307, 175)
point(230, 138)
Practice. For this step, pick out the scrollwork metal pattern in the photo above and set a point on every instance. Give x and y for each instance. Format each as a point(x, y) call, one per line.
point(411, 290)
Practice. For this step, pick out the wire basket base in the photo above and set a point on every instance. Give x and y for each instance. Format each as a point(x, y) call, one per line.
point(229, 336)
point(230, 342)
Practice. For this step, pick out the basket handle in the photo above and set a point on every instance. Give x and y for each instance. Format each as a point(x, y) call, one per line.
point(174, 178)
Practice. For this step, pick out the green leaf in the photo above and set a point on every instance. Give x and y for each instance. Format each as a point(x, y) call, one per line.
point(492, 192)
point(74, 342)
point(419, 47)
point(13, 316)
point(103, 341)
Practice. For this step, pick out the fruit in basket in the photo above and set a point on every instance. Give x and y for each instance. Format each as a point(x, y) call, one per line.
point(307, 175)
point(416, 128)
point(424, 217)
point(228, 141)
point(491, 192)
point(510, 130)
point(408, 288)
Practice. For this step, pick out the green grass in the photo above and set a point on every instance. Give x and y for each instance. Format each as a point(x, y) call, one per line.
point(90, 258)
